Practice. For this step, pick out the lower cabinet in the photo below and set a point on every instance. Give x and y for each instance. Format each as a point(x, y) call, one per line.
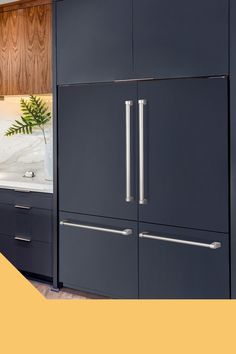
point(26, 230)
point(29, 256)
point(182, 263)
point(99, 255)
point(111, 257)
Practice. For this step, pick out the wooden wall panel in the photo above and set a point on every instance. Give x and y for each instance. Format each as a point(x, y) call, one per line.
point(38, 48)
point(21, 4)
point(11, 65)
point(25, 51)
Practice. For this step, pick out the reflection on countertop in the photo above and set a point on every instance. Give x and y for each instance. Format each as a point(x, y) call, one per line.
point(11, 180)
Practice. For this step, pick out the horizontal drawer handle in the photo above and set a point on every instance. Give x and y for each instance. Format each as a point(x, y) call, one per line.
point(22, 190)
point(22, 207)
point(212, 246)
point(125, 232)
point(135, 79)
point(23, 239)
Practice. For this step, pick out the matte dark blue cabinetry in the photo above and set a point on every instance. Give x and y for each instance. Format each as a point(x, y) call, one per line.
point(94, 40)
point(26, 230)
point(31, 257)
point(186, 184)
point(186, 165)
point(92, 162)
point(99, 261)
point(180, 38)
point(110, 40)
point(186, 153)
point(177, 55)
point(177, 270)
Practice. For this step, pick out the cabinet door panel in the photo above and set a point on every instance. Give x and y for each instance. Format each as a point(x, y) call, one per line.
point(186, 153)
point(98, 261)
point(180, 38)
point(169, 270)
point(32, 257)
point(35, 224)
point(94, 40)
point(92, 150)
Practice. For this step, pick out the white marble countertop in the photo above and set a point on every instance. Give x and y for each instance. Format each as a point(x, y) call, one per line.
point(12, 180)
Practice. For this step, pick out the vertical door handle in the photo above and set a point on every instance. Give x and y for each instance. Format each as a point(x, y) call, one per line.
point(142, 199)
point(128, 104)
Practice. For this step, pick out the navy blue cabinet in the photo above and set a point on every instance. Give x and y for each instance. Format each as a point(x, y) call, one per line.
point(99, 255)
point(186, 153)
point(178, 173)
point(184, 38)
point(92, 149)
point(114, 40)
point(144, 164)
point(185, 135)
point(94, 40)
point(182, 263)
point(26, 230)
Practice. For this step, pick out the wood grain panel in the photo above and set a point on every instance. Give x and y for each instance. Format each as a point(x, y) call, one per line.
point(22, 4)
point(38, 48)
point(25, 51)
point(11, 55)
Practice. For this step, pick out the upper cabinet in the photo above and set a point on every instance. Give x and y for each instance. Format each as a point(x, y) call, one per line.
point(184, 38)
point(94, 40)
point(26, 48)
point(131, 39)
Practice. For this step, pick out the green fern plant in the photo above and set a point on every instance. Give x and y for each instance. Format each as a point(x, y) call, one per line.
point(35, 115)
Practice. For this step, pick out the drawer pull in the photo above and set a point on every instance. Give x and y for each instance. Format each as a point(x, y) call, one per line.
point(22, 207)
point(22, 239)
point(125, 232)
point(22, 190)
point(212, 246)
point(135, 80)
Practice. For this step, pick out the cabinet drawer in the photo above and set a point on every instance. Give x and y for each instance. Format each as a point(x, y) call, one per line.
point(35, 224)
point(7, 224)
point(34, 257)
point(96, 258)
point(171, 267)
point(32, 199)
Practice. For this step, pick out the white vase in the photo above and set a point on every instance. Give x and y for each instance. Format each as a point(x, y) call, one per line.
point(48, 162)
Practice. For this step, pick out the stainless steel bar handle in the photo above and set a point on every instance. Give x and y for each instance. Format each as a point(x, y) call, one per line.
point(22, 207)
point(135, 80)
point(142, 199)
point(23, 239)
point(128, 104)
point(212, 246)
point(125, 232)
point(22, 190)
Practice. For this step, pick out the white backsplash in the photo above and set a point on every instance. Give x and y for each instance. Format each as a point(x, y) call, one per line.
point(20, 153)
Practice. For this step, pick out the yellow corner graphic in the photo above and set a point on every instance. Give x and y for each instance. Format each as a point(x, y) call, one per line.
point(31, 324)
point(13, 285)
